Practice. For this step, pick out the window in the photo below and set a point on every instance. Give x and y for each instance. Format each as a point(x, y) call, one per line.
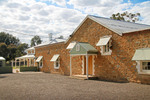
point(106, 48)
point(78, 47)
point(56, 64)
point(1, 63)
point(105, 44)
point(146, 66)
point(41, 63)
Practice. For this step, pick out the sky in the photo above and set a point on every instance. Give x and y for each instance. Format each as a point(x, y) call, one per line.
point(27, 18)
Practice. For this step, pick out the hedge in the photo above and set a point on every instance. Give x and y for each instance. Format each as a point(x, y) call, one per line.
point(5, 70)
point(24, 69)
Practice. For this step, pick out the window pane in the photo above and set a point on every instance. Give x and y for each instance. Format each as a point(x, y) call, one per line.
point(57, 64)
point(146, 65)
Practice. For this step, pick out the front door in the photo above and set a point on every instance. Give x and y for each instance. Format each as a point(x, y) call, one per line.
point(90, 65)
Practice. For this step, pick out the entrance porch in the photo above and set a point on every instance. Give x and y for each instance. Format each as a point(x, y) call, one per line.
point(88, 54)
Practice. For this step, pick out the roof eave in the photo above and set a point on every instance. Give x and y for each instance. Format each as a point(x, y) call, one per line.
point(136, 30)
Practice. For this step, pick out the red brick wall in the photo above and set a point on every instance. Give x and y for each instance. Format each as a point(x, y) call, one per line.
point(116, 67)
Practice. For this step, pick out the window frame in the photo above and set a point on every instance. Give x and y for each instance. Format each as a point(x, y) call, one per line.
point(141, 67)
point(106, 49)
point(57, 62)
point(77, 47)
point(41, 63)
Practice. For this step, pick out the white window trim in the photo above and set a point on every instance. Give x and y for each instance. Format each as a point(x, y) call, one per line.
point(103, 50)
point(58, 60)
point(139, 67)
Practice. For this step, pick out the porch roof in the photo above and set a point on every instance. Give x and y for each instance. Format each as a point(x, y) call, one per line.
point(84, 48)
point(25, 56)
point(142, 54)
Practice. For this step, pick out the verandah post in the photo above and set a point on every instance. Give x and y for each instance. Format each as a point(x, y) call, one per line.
point(87, 66)
point(70, 66)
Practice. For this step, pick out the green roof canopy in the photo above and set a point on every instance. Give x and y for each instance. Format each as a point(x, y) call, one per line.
point(142, 54)
point(83, 48)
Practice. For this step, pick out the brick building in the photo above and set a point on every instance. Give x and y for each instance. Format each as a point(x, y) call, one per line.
point(108, 49)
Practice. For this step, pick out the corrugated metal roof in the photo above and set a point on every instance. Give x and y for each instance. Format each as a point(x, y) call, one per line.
point(51, 42)
point(39, 58)
point(55, 57)
point(31, 48)
point(71, 45)
point(119, 26)
point(142, 54)
point(2, 58)
point(25, 56)
point(103, 41)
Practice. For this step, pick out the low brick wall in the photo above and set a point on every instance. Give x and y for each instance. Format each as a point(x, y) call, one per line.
point(5, 70)
point(24, 69)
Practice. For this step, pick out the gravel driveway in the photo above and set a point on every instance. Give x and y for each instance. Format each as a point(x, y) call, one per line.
point(45, 86)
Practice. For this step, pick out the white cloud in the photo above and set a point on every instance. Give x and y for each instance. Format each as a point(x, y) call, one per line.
point(59, 2)
point(38, 18)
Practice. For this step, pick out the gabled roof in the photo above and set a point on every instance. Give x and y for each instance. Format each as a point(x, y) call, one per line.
point(84, 48)
point(87, 46)
point(119, 27)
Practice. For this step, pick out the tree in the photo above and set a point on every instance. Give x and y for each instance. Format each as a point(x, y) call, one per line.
point(3, 50)
point(8, 39)
point(35, 40)
point(21, 49)
point(60, 37)
point(11, 51)
point(10, 47)
point(125, 16)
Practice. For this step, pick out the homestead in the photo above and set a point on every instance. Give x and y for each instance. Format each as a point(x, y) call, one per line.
point(101, 47)
point(26, 60)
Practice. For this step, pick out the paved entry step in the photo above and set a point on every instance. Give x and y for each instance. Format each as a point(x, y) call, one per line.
point(84, 77)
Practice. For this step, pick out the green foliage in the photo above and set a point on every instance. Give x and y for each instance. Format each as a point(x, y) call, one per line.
point(61, 37)
point(125, 16)
point(8, 39)
point(35, 41)
point(5, 70)
point(21, 49)
point(3, 50)
point(10, 47)
point(24, 69)
point(12, 51)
